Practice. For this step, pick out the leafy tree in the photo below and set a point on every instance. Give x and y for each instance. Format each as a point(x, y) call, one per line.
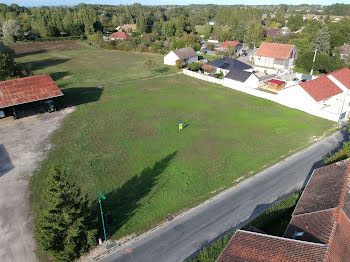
point(194, 66)
point(178, 43)
point(150, 65)
point(11, 30)
point(255, 34)
point(96, 39)
point(179, 63)
point(208, 30)
point(210, 46)
point(295, 22)
point(62, 227)
point(168, 29)
point(322, 41)
point(336, 39)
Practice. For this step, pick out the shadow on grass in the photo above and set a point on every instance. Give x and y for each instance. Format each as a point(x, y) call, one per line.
point(58, 75)
point(124, 202)
point(79, 95)
point(41, 64)
point(161, 70)
point(36, 52)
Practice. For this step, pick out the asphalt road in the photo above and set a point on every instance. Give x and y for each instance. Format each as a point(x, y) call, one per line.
point(182, 237)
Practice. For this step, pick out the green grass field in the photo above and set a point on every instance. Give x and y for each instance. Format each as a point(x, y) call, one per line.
point(124, 141)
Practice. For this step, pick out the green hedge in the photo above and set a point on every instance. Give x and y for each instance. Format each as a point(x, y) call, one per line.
point(57, 38)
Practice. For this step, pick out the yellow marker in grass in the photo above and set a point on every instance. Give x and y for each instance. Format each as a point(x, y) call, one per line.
point(180, 127)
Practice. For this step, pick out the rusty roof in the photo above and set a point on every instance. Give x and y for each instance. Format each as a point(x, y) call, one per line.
point(255, 247)
point(275, 50)
point(27, 89)
point(320, 219)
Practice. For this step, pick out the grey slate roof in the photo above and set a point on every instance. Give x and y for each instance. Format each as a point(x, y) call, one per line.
point(236, 68)
point(185, 53)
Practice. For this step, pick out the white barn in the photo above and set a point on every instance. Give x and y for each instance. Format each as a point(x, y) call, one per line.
point(274, 55)
point(186, 55)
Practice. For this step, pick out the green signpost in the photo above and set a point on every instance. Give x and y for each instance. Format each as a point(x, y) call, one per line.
point(103, 222)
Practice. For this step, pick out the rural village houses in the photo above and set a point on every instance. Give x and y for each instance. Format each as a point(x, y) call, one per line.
point(186, 55)
point(232, 44)
point(273, 55)
point(234, 72)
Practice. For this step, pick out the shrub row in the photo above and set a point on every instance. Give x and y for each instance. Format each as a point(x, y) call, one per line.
point(57, 38)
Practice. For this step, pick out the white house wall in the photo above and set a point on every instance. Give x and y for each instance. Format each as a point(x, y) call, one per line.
point(170, 59)
point(252, 81)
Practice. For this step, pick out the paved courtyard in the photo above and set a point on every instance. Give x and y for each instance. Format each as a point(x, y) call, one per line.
point(22, 145)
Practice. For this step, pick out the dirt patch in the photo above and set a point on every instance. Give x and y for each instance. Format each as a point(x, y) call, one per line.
point(37, 47)
point(22, 146)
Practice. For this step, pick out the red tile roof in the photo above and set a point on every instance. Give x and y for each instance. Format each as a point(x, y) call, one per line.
point(254, 247)
point(120, 35)
point(275, 50)
point(228, 44)
point(317, 226)
point(275, 81)
point(272, 32)
point(209, 67)
point(27, 89)
point(343, 76)
point(321, 88)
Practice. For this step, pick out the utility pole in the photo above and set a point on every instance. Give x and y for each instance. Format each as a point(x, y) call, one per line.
point(313, 61)
point(103, 222)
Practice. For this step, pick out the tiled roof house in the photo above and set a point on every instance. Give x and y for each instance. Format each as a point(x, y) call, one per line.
point(274, 55)
point(186, 54)
point(319, 229)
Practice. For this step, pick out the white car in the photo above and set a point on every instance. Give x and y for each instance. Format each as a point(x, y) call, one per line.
point(2, 114)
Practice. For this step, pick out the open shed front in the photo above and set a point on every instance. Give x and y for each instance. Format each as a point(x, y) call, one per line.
point(27, 93)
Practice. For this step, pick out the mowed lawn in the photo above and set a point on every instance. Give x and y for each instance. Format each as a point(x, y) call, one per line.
point(124, 141)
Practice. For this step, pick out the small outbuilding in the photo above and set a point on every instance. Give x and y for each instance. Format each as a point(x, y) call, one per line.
point(276, 84)
point(186, 55)
point(25, 90)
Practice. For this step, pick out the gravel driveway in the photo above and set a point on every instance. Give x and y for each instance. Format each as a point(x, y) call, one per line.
point(22, 143)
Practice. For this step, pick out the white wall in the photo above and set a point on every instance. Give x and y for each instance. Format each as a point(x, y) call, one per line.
point(252, 81)
point(170, 59)
point(293, 97)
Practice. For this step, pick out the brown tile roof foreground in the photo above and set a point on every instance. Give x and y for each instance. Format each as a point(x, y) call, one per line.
point(27, 89)
point(323, 87)
point(275, 50)
point(184, 53)
point(319, 229)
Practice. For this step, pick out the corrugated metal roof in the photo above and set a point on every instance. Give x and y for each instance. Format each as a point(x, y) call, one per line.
point(27, 89)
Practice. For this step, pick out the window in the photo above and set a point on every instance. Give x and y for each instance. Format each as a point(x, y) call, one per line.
point(298, 234)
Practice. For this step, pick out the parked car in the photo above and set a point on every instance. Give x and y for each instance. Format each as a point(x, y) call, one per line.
point(2, 114)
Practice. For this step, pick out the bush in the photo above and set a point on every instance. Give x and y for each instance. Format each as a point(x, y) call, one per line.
point(179, 63)
point(194, 66)
point(323, 63)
